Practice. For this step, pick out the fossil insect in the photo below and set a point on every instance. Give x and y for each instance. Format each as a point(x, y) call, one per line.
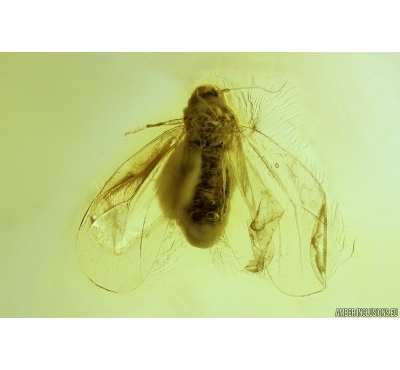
point(206, 171)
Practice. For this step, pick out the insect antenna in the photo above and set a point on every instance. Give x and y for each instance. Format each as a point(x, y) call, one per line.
point(171, 122)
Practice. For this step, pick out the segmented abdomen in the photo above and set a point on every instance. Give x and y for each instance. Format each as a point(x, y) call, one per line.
point(209, 205)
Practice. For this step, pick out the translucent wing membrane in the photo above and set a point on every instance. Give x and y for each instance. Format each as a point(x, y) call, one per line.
point(285, 209)
point(123, 229)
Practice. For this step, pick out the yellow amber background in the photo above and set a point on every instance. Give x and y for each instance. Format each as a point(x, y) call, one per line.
point(63, 119)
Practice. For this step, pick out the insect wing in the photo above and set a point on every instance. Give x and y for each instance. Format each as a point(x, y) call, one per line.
point(124, 227)
point(287, 225)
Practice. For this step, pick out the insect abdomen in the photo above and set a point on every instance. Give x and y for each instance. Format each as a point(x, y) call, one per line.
point(208, 203)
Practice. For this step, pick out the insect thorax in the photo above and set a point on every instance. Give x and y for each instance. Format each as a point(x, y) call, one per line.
point(210, 124)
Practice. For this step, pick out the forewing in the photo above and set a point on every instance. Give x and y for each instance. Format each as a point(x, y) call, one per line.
point(286, 205)
point(124, 227)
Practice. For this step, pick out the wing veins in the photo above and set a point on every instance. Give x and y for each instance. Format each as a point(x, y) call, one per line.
point(124, 182)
